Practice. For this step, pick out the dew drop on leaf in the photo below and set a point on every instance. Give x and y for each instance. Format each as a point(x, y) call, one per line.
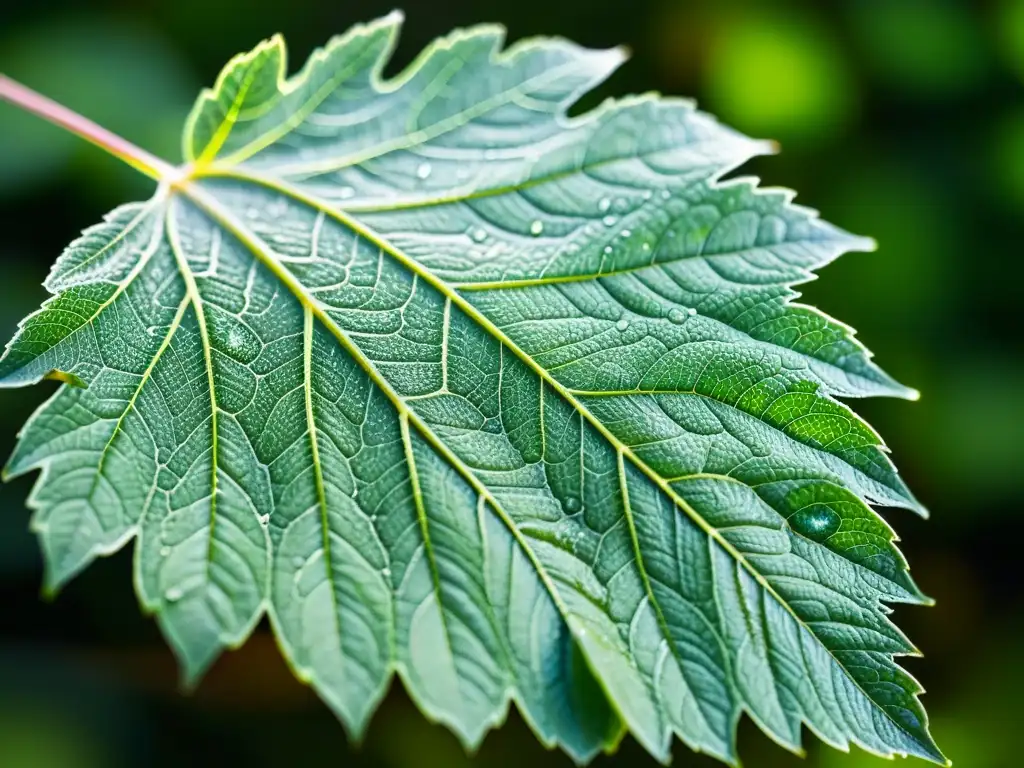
point(236, 339)
point(479, 234)
point(347, 193)
point(298, 561)
point(604, 205)
point(572, 505)
point(609, 221)
point(622, 324)
point(678, 315)
point(817, 522)
point(173, 595)
point(165, 551)
point(537, 227)
point(423, 172)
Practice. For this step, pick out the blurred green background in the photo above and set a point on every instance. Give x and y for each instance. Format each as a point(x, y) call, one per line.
point(901, 119)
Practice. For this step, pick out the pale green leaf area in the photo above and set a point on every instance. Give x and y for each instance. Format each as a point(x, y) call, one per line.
point(515, 405)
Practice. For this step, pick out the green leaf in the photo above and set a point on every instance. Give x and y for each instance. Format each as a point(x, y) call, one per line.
point(517, 405)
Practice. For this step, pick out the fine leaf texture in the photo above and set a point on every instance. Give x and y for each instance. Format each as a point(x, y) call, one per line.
point(516, 405)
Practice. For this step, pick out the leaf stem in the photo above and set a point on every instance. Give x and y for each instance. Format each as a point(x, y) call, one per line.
point(34, 102)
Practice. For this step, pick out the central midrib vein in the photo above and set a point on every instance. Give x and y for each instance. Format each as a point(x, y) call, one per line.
point(213, 207)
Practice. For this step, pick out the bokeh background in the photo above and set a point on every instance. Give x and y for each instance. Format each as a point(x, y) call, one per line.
point(901, 119)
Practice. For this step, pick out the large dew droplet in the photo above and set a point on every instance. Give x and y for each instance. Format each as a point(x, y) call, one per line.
point(479, 235)
point(622, 324)
point(536, 228)
point(424, 170)
point(817, 522)
point(678, 315)
point(173, 595)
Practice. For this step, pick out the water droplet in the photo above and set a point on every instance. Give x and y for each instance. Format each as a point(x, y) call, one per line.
point(537, 227)
point(622, 324)
point(298, 561)
point(691, 311)
point(479, 235)
point(626, 233)
point(609, 221)
point(665, 194)
point(646, 247)
point(165, 551)
point(252, 212)
point(572, 505)
point(607, 249)
point(373, 518)
point(648, 194)
point(264, 519)
point(173, 595)
point(236, 339)
point(347, 192)
point(385, 572)
point(677, 315)
point(670, 234)
point(423, 172)
point(817, 523)
point(604, 204)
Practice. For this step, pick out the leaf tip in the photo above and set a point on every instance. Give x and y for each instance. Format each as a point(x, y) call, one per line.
point(396, 17)
point(622, 54)
point(190, 675)
point(864, 244)
point(49, 591)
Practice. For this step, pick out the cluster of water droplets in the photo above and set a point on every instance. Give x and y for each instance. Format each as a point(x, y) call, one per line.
point(679, 315)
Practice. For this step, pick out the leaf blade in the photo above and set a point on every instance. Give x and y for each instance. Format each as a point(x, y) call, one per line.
point(505, 294)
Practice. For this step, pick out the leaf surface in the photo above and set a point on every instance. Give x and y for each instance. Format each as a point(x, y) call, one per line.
point(517, 405)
